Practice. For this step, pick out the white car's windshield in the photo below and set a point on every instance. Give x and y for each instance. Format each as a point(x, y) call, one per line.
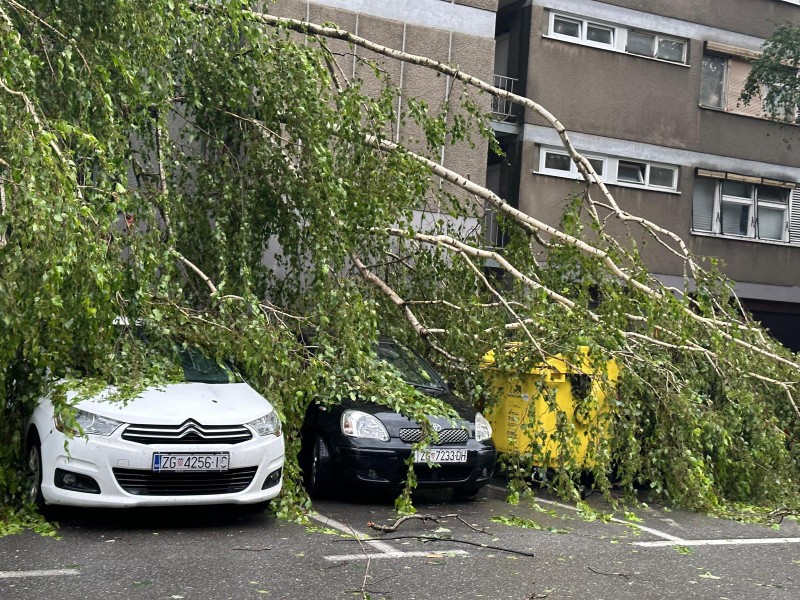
point(199, 368)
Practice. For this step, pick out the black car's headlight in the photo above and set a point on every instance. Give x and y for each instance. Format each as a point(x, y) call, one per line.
point(269, 424)
point(483, 430)
point(356, 423)
point(90, 424)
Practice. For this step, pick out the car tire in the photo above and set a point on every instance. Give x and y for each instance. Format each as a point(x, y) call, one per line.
point(467, 493)
point(318, 479)
point(33, 469)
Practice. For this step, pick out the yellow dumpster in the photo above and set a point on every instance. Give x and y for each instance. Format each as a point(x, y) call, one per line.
point(531, 405)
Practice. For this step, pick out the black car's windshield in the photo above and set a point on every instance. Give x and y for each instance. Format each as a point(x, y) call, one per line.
point(200, 369)
point(412, 368)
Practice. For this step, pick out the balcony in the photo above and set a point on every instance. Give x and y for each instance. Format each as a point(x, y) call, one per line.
point(502, 108)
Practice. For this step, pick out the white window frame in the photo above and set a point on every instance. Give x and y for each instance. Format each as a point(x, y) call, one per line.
point(619, 36)
point(583, 30)
point(610, 173)
point(740, 201)
point(754, 203)
point(573, 172)
point(657, 37)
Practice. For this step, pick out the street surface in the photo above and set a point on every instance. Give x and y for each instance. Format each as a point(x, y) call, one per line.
point(220, 553)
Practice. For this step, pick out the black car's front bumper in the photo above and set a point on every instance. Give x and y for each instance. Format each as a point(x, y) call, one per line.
point(364, 465)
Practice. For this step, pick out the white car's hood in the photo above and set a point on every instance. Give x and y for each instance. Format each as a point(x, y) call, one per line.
point(206, 403)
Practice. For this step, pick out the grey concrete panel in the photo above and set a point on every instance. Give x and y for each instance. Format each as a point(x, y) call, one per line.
point(388, 33)
point(345, 20)
point(482, 4)
point(429, 13)
point(296, 9)
point(476, 57)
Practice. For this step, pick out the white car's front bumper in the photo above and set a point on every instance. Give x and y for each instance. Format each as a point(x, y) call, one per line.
point(99, 457)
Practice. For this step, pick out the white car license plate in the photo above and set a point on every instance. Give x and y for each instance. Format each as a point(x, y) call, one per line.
point(440, 455)
point(212, 461)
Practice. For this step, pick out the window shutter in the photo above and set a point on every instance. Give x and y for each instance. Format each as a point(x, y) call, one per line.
point(738, 70)
point(794, 218)
point(703, 204)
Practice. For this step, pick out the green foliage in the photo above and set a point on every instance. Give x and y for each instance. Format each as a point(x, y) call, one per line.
point(141, 142)
point(773, 79)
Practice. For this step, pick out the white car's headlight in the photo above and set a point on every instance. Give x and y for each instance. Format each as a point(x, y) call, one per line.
point(363, 425)
point(93, 424)
point(483, 431)
point(269, 424)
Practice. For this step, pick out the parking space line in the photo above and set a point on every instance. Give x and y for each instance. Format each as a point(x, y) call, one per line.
point(40, 573)
point(398, 554)
point(663, 535)
point(723, 542)
point(333, 523)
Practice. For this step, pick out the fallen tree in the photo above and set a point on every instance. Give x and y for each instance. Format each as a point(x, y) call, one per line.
point(152, 154)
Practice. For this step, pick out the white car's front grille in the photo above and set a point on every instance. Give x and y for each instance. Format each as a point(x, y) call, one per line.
point(189, 432)
point(148, 483)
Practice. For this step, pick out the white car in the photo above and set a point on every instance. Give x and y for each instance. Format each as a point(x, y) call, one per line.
point(204, 441)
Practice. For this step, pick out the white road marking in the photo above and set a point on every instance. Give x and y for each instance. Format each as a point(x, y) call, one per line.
point(397, 554)
point(377, 544)
point(42, 573)
point(725, 542)
point(671, 540)
point(650, 530)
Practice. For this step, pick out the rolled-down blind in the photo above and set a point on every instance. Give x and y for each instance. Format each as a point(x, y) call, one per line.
point(703, 204)
point(794, 217)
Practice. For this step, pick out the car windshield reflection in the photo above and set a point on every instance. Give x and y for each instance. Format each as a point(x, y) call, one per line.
point(198, 368)
point(412, 368)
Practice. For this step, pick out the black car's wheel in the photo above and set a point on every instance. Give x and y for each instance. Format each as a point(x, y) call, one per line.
point(318, 479)
point(34, 471)
point(467, 492)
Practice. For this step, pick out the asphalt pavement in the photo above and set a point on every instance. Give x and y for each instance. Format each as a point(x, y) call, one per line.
point(484, 548)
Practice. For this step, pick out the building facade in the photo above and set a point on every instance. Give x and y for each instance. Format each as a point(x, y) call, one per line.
point(454, 31)
point(649, 91)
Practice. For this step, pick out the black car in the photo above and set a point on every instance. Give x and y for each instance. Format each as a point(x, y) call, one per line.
point(360, 444)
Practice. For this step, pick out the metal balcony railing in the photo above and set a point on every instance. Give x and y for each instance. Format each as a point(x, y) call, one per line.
point(493, 234)
point(502, 109)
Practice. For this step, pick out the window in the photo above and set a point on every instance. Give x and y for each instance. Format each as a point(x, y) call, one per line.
point(780, 112)
point(643, 173)
point(712, 81)
point(613, 170)
point(618, 38)
point(631, 172)
point(584, 31)
point(558, 162)
point(722, 80)
point(741, 208)
point(656, 46)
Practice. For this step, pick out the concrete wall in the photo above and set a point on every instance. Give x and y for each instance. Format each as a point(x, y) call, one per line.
point(751, 17)
point(443, 33)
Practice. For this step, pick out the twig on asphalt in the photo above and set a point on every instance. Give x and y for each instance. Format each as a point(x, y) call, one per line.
point(434, 518)
point(623, 575)
point(252, 549)
point(431, 538)
point(364, 594)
